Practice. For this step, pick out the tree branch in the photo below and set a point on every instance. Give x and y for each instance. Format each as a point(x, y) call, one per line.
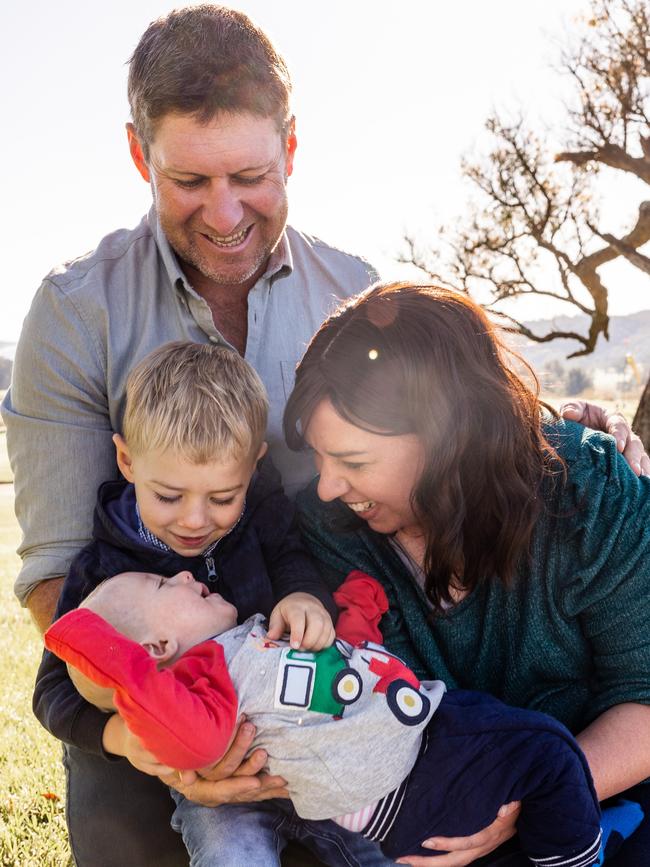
point(522, 328)
point(630, 253)
point(610, 155)
point(637, 237)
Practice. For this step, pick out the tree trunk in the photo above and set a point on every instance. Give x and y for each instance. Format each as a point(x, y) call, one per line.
point(641, 421)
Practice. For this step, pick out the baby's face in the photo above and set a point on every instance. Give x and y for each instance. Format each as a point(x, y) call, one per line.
point(178, 608)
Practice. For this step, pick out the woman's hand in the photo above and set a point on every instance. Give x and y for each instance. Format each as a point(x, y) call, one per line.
point(232, 780)
point(305, 618)
point(464, 850)
point(596, 417)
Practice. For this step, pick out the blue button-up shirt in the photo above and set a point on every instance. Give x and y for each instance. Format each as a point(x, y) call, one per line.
point(92, 320)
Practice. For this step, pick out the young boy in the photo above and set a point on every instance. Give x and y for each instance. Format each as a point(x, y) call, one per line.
point(198, 495)
point(349, 727)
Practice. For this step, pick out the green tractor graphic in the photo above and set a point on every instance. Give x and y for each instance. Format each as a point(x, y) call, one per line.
point(324, 682)
point(321, 681)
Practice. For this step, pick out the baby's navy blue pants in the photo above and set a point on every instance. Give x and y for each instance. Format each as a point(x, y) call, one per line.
point(480, 754)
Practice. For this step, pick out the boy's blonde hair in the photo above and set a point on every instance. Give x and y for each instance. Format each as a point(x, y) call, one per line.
point(201, 401)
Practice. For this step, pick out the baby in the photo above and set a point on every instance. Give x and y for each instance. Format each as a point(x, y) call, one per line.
point(350, 728)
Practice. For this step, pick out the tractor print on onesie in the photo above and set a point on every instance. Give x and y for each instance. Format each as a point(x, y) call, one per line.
point(325, 682)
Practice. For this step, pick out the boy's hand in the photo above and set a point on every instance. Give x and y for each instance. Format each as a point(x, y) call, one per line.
point(305, 618)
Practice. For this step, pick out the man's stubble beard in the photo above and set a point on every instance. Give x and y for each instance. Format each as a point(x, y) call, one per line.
point(192, 256)
point(189, 253)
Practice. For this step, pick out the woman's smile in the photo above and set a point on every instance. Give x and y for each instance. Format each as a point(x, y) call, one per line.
point(360, 507)
point(373, 474)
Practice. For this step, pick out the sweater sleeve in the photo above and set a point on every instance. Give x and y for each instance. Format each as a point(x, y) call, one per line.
point(290, 567)
point(185, 715)
point(56, 703)
point(607, 570)
point(362, 603)
point(340, 550)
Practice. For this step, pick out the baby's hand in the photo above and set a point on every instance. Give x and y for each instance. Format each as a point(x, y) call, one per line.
point(305, 618)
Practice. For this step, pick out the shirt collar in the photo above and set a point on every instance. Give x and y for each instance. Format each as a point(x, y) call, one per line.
point(150, 539)
point(176, 276)
point(147, 536)
point(280, 260)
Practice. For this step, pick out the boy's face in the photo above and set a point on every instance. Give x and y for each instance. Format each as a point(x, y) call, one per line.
point(174, 613)
point(187, 506)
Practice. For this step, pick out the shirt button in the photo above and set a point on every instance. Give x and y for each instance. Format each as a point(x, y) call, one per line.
point(214, 339)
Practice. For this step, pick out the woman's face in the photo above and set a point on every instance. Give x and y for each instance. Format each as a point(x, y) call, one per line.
point(373, 475)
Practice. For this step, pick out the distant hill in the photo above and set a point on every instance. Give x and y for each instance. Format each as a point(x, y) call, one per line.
point(627, 335)
point(606, 373)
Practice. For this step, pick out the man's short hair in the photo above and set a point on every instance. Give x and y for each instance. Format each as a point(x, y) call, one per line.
point(204, 61)
point(201, 401)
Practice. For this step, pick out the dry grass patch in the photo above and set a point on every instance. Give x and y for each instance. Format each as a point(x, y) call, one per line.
point(32, 791)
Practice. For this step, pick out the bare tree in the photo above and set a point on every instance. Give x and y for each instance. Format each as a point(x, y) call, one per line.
point(536, 227)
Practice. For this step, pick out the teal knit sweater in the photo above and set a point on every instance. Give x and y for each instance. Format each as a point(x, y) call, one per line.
point(572, 636)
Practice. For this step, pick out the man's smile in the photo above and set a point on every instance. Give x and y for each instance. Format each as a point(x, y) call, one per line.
point(233, 240)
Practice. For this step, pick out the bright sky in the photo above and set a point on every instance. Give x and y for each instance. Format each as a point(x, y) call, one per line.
point(388, 96)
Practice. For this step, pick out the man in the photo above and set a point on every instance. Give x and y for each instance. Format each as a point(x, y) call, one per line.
point(213, 135)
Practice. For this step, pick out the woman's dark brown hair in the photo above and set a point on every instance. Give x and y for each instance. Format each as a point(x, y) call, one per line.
point(408, 359)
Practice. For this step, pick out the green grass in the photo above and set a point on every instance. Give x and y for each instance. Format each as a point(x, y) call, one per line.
point(32, 790)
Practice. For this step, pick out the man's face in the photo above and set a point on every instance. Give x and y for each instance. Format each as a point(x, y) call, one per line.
point(220, 192)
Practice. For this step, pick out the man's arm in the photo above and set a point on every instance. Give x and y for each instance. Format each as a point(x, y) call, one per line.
point(42, 602)
point(58, 439)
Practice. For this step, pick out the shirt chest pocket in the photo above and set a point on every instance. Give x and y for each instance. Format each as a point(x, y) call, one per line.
point(288, 371)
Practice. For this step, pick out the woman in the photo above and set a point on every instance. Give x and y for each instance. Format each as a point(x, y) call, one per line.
point(513, 546)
